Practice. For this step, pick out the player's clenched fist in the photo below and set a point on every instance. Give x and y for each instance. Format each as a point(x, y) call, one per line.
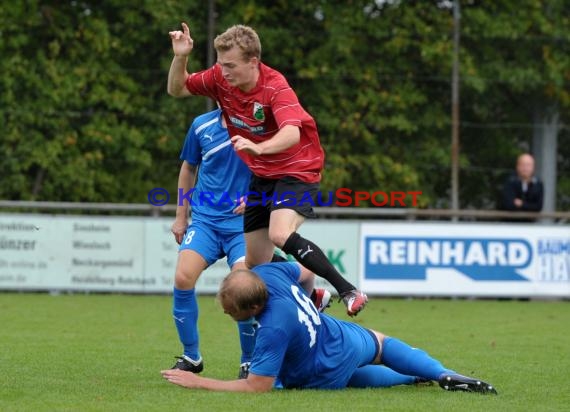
point(242, 144)
point(182, 43)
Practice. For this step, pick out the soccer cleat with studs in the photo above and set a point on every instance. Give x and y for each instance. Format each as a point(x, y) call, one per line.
point(187, 364)
point(243, 370)
point(321, 298)
point(354, 300)
point(456, 382)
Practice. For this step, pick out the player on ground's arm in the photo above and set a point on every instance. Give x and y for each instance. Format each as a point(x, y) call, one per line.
point(305, 349)
point(275, 137)
point(216, 230)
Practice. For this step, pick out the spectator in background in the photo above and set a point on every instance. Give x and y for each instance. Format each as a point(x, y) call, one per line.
point(523, 190)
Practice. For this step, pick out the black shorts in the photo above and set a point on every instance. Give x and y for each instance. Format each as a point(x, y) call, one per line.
point(266, 195)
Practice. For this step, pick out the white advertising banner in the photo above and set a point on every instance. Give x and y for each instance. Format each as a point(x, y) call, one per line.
point(71, 252)
point(138, 254)
point(466, 259)
point(126, 254)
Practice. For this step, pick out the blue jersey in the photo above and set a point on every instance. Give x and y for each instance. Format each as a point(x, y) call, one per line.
point(304, 348)
point(222, 175)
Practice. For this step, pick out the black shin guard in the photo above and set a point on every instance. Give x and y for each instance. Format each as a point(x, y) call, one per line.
point(312, 257)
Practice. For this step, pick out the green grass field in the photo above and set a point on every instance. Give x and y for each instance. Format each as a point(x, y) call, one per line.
point(104, 353)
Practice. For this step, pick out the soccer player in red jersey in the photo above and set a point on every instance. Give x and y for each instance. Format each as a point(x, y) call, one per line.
point(275, 137)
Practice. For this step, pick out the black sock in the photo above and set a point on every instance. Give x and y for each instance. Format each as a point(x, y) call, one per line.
point(312, 257)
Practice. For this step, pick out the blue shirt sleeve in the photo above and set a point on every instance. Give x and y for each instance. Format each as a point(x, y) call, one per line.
point(291, 270)
point(191, 151)
point(294, 271)
point(270, 348)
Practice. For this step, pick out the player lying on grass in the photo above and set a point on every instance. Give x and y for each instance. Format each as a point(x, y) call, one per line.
point(303, 348)
point(216, 230)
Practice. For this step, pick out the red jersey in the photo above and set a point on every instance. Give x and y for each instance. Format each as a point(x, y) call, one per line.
point(258, 115)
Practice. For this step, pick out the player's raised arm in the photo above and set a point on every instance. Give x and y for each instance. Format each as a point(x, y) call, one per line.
point(182, 45)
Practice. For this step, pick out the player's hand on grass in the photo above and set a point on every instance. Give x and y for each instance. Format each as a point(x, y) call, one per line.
point(240, 209)
point(243, 144)
point(182, 43)
point(178, 229)
point(180, 377)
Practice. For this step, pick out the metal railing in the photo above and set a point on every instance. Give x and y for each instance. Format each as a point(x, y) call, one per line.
point(18, 206)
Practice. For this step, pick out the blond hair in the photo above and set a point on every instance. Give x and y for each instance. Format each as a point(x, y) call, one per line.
point(243, 37)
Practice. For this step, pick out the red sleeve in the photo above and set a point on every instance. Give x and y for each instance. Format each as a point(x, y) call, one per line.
point(203, 83)
point(286, 108)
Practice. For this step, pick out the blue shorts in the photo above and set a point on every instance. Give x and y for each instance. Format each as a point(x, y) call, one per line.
point(343, 343)
point(212, 244)
point(360, 349)
point(365, 343)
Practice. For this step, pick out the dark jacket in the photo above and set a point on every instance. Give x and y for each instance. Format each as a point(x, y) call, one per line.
point(532, 197)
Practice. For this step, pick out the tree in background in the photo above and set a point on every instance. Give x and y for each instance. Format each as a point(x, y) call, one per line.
point(376, 76)
point(85, 115)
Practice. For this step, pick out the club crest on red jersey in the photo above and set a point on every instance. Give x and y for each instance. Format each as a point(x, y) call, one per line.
point(258, 113)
